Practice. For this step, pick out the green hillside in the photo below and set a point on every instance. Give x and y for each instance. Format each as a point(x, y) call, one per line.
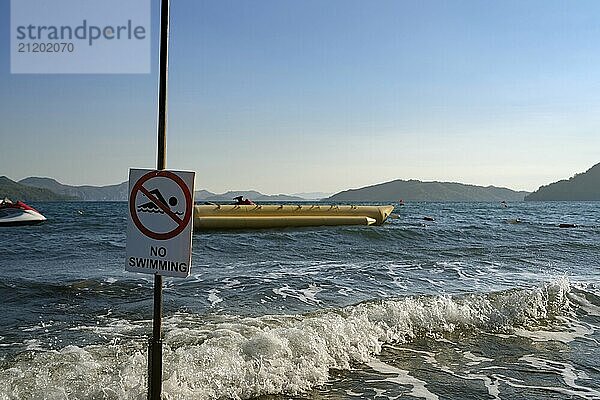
point(86, 193)
point(581, 187)
point(15, 191)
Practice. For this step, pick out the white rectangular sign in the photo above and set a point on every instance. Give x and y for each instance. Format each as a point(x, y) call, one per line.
point(160, 221)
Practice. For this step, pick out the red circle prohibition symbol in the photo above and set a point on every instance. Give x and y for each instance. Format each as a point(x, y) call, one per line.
point(181, 223)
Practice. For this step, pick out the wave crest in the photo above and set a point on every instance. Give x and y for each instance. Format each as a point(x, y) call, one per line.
point(237, 358)
point(243, 358)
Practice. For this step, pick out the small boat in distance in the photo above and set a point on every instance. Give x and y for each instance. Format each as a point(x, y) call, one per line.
point(19, 213)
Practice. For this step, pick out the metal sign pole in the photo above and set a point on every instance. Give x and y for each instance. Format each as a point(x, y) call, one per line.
point(155, 345)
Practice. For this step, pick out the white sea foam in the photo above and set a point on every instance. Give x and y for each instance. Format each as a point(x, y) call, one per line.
point(33, 344)
point(568, 375)
point(235, 357)
point(474, 360)
point(491, 384)
point(213, 297)
point(570, 330)
point(353, 394)
point(403, 377)
point(306, 295)
point(74, 372)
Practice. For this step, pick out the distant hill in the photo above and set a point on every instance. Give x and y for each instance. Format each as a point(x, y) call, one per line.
point(581, 187)
point(120, 192)
point(414, 190)
point(86, 193)
point(16, 191)
point(312, 195)
point(204, 195)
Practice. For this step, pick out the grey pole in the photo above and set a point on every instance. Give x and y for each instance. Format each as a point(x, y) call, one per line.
point(155, 345)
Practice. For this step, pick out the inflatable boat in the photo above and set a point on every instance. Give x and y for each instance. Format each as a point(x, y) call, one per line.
point(19, 213)
point(254, 216)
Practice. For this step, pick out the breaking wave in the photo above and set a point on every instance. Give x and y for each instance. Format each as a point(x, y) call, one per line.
point(221, 357)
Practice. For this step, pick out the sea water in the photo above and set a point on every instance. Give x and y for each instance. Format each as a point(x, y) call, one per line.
point(484, 302)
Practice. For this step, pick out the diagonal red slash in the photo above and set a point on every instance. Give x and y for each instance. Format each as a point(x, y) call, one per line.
point(163, 207)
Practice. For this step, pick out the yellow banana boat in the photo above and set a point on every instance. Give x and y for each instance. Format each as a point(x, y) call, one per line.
point(216, 216)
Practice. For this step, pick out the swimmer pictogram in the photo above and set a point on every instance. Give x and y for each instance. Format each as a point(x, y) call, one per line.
point(162, 220)
point(151, 206)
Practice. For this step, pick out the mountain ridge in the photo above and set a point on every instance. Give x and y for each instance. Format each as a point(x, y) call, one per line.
point(250, 194)
point(118, 192)
point(17, 191)
point(584, 186)
point(416, 190)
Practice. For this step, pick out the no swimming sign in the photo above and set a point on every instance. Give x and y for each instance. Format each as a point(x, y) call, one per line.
point(160, 222)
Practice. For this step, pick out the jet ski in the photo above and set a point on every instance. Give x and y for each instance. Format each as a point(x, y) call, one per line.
point(19, 213)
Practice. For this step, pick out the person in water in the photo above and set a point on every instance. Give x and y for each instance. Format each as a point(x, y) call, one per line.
point(241, 201)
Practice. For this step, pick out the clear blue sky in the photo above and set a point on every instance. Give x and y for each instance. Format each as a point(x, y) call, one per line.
point(290, 96)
